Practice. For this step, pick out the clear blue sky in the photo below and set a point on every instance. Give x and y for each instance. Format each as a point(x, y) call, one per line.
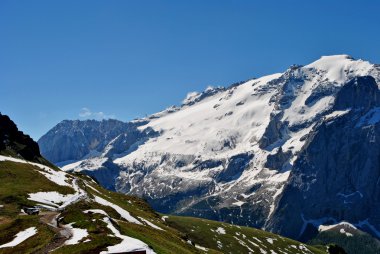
point(131, 58)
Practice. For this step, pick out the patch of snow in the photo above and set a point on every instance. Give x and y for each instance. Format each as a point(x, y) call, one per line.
point(71, 166)
point(238, 203)
point(47, 207)
point(263, 251)
point(51, 198)
point(242, 243)
point(77, 234)
point(123, 213)
point(336, 114)
point(150, 223)
point(247, 195)
point(20, 237)
point(200, 247)
point(270, 240)
point(128, 244)
point(254, 244)
point(164, 217)
point(99, 211)
point(58, 177)
point(257, 239)
point(328, 227)
point(92, 188)
point(303, 248)
point(6, 158)
point(342, 231)
point(220, 231)
point(56, 199)
point(79, 194)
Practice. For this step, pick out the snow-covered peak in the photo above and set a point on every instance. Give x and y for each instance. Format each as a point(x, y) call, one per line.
point(338, 67)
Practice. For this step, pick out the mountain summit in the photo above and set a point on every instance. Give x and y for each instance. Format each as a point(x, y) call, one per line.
point(286, 152)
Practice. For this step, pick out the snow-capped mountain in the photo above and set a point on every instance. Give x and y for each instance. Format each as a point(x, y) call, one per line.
point(286, 152)
point(46, 210)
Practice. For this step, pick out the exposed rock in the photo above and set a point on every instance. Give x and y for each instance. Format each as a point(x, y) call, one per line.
point(15, 143)
point(72, 140)
point(336, 174)
point(277, 161)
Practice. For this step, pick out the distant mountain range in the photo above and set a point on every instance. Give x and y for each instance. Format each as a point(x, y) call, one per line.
point(287, 152)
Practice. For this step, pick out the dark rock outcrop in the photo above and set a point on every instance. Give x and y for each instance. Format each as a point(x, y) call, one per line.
point(15, 143)
point(276, 161)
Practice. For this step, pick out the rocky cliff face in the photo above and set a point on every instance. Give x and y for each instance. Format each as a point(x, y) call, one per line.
point(15, 143)
point(73, 140)
point(336, 176)
point(285, 152)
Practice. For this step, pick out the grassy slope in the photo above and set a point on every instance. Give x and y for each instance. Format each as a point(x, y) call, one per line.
point(20, 179)
point(33, 244)
point(235, 239)
point(168, 240)
point(17, 180)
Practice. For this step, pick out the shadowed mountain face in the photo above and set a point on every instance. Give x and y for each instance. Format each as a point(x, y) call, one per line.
point(336, 176)
point(15, 143)
point(286, 152)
